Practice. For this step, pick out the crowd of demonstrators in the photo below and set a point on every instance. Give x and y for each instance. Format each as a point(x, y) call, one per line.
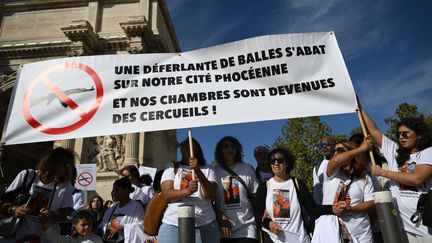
point(326, 147)
point(409, 170)
point(236, 182)
point(233, 202)
point(280, 201)
point(180, 187)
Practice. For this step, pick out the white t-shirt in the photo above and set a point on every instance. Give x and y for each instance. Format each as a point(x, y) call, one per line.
point(283, 207)
point(407, 196)
point(130, 216)
point(318, 181)
point(232, 199)
point(204, 213)
point(138, 195)
point(41, 194)
point(360, 190)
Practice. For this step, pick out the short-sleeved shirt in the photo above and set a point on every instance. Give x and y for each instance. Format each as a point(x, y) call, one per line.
point(283, 207)
point(41, 194)
point(204, 213)
point(130, 216)
point(232, 199)
point(360, 190)
point(407, 196)
point(318, 181)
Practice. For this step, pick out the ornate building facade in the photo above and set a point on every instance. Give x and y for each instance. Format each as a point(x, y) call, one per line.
point(38, 30)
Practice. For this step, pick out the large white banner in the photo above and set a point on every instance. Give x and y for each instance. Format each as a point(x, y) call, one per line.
point(257, 79)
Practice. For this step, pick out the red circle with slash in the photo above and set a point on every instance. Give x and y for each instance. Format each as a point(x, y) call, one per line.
point(43, 78)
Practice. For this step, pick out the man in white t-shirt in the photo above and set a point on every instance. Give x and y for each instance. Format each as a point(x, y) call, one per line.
point(327, 150)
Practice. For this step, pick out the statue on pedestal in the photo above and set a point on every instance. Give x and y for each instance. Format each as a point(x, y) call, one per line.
point(110, 157)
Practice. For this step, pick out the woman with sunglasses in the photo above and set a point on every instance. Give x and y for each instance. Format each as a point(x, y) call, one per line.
point(179, 187)
point(347, 185)
point(236, 181)
point(278, 205)
point(410, 170)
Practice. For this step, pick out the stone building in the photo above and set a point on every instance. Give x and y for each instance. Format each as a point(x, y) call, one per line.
point(37, 30)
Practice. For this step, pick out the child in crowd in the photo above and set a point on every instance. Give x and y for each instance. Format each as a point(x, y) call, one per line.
point(82, 225)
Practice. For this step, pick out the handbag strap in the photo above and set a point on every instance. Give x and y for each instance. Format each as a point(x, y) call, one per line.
point(302, 208)
point(237, 177)
point(52, 195)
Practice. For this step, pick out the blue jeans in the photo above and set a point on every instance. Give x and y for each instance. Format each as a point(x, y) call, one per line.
point(169, 233)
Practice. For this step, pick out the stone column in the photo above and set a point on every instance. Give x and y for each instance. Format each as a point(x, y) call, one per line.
point(131, 149)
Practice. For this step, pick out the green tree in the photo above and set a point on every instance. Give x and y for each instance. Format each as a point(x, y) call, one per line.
point(302, 137)
point(404, 110)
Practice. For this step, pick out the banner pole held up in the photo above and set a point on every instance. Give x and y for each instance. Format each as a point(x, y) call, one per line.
point(365, 131)
point(191, 150)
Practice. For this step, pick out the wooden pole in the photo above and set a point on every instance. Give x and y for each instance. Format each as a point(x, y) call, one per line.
point(191, 150)
point(365, 132)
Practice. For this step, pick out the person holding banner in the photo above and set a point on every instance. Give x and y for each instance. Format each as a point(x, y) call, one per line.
point(50, 192)
point(236, 182)
point(180, 187)
point(347, 184)
point(410, 170)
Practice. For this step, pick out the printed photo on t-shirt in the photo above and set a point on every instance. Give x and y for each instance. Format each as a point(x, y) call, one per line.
point(407, 168)
point(114, 223)
point(186, 177)
point(340, 193)
point(281, 204)
point(39, 199)
point(231, 189)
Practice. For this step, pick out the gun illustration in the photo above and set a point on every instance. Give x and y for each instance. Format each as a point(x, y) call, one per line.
point(49, 98)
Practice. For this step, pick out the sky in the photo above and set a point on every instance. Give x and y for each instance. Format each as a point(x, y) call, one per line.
point(386, 46)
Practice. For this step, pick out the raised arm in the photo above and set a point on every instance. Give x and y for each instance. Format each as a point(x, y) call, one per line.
point(342, 159)
point(373, 129)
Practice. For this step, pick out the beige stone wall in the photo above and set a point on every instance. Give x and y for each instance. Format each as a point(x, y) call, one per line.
point(39, 26)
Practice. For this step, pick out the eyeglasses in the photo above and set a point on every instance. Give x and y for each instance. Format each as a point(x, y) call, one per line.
point(326, 144)
point(279, 160)
point(229, 145)
point(403, 134)
point(340, 150)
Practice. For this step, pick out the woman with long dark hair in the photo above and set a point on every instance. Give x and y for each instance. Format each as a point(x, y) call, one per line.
point(236, 180)
point(179, 187)
point(278, 205)
point(410, 169)
point(347, 183)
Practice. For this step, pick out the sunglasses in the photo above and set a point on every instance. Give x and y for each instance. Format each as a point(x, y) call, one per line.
point(340, 150)
point(279, 160)
point(403, 134)
point(326, 144)
point(229, 145)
